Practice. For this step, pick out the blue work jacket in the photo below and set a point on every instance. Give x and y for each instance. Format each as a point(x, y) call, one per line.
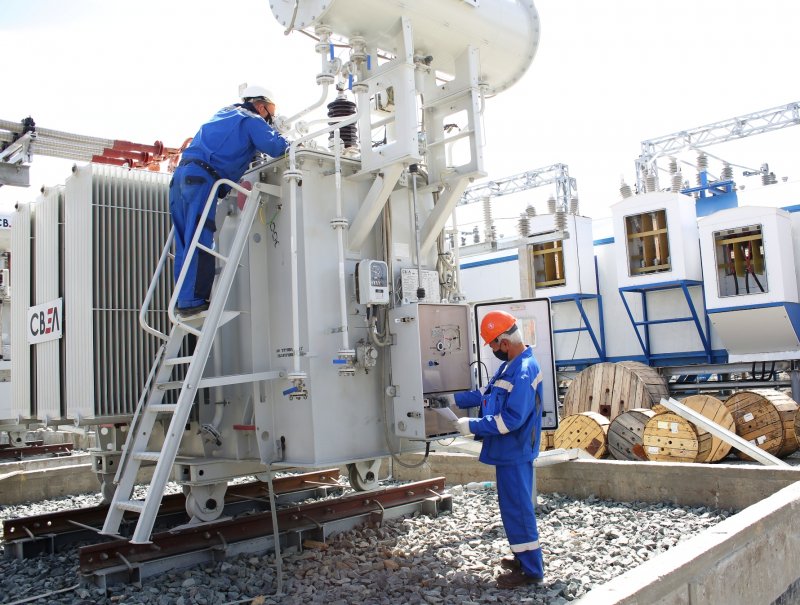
point(510, 417)
point(229, 141)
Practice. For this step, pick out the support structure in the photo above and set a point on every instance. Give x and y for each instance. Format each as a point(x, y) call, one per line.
point(702, 325)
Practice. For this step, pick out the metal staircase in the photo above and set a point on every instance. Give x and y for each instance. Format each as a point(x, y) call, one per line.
point(151, 404)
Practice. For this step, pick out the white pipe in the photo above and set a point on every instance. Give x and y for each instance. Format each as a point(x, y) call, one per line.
point(456, 254)
point(293, 255)
point(337, 158)
point(325, 78)
point(311, 108)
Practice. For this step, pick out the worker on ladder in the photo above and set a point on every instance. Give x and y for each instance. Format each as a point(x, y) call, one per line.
point(222, 149)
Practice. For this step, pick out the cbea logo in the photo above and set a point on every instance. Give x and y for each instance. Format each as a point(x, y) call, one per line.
point(45, 322)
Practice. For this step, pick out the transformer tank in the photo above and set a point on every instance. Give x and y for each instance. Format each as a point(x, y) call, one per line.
point(336, 313)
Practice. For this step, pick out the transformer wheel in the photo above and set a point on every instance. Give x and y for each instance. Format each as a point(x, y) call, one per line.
point(107, 487)
point(206, 502)
point(362, 484)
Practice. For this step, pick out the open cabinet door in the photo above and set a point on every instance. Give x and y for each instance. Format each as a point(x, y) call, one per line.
point(534, 320)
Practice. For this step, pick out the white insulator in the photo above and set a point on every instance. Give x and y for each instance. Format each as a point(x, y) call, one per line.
point(769, 179)
point(530, 211)
point(702, 162)
point(551, 205)
point(488, 222)
point(476, 235)
point(524, 225)
point(650, 183)
point(573, 205)
point(561, 220)
point(677, 182)
point(727, 172)
point(673, 165)
point(625, 190)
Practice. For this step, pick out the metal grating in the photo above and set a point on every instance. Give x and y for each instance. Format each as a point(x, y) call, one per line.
point(47, 288)
point(21, 280)
point(117, 221)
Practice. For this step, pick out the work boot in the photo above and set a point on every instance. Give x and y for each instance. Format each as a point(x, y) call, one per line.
point(517, 578)
point(509, 562)
point(188, 312)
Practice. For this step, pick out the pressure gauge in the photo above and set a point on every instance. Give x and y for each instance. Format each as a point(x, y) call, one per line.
point(373, 282)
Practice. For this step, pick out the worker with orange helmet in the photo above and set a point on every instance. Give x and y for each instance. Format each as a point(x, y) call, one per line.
point(222, 149)
point(510, 424)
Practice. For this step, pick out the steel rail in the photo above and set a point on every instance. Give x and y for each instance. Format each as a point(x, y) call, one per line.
point(220, 536)
point(18, 453)
point(81, 519)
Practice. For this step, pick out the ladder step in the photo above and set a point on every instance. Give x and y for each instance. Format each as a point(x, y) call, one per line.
point(213, 252)
point(169, 386)
point(134, 506)
point(217, 381)
point(175, 361)
point(147, 456)
point(162, 407)
point(197, 320)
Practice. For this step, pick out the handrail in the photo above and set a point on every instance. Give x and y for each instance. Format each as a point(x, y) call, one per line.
point(153, 285)
point(193, 248)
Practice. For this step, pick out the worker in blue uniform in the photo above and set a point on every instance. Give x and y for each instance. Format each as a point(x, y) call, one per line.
point(222, 149)
point(510, 424)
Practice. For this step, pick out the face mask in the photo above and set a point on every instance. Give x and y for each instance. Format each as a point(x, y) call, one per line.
point(502, 356)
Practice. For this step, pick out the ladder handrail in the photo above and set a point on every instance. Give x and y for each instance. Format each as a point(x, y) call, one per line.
point(152, 288)
point(173, 301)
point(194, 372)
point(148, 385)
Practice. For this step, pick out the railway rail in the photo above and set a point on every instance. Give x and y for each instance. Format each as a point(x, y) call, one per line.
point(121, 561)
point(245, 527)
point(34, 448)
point(29, 536)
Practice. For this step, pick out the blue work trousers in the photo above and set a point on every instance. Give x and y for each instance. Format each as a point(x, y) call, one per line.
point(188, 193)
point(514, 492)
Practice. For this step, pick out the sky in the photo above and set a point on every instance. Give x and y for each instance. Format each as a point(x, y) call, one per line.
point(607, 76)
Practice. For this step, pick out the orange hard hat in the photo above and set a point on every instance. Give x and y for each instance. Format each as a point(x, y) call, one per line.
point(495, 323)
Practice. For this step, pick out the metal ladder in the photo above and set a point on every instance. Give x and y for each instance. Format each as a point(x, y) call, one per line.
point(151, 405)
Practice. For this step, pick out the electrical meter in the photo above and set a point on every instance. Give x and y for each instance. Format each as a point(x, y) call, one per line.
point(372, 277)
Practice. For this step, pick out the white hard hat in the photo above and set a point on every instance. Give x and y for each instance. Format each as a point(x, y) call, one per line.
point(255, 92)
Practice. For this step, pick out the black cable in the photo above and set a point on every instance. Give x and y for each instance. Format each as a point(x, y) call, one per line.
point(486, 369)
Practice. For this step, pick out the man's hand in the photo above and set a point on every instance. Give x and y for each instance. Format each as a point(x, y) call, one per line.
point(462, 426)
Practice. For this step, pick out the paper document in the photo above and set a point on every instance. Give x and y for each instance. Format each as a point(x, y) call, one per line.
point(446, 413)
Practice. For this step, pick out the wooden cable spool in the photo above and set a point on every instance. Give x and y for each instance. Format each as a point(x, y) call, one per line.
point(547, 441)
point(766, 418)
point(612, 388)
point(586, 431)
point(625, 434)
point(713, 409)
point(668, 437)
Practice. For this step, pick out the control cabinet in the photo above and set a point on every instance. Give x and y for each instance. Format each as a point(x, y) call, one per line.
point(430, 356)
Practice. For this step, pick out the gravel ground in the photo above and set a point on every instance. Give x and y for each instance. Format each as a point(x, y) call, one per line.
point(446, 560)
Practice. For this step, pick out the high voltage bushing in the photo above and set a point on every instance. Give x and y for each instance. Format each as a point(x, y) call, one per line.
point(341, 108)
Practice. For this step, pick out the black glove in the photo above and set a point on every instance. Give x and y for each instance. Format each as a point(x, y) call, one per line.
point(438, 401)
